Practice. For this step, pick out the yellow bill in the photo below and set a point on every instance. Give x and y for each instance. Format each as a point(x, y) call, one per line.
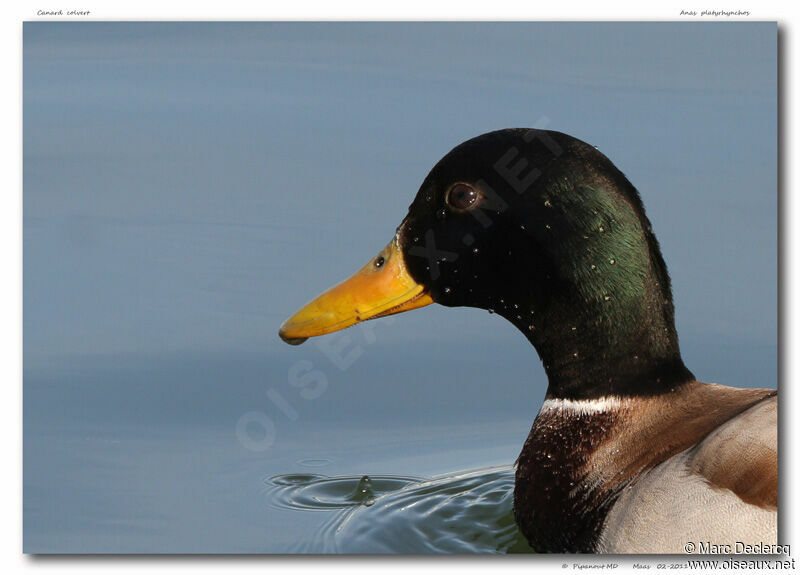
point(382, 287)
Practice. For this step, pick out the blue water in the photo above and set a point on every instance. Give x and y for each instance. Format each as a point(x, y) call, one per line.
point(189, 186)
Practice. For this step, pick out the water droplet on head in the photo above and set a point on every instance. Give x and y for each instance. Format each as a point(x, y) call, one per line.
point(441, 214)
point(548, 204)
point(530, 327)
point(475, 250)
point(547, 226)
point(447, 290)
point(594, 267)
point(612, 261)
point(490, 310)
point(607, 298)
point(602, 229)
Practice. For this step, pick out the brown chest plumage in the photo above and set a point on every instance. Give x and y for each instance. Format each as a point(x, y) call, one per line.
point(580, 456)
point(556, 506)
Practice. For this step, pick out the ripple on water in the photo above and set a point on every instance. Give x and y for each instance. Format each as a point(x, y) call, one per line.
point(469, 512)
point(314, 462)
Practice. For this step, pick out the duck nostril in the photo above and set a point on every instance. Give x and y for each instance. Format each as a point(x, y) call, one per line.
point(379, 261)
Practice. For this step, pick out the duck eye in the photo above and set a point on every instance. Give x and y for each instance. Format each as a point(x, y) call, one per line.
point(462, 196)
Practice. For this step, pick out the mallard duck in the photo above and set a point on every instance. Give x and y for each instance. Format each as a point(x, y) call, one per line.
point(629, 452)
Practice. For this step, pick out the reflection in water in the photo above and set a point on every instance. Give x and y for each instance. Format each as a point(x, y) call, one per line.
point(469, 512)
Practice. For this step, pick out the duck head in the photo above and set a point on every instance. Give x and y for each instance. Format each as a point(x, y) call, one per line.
point(543, 230)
